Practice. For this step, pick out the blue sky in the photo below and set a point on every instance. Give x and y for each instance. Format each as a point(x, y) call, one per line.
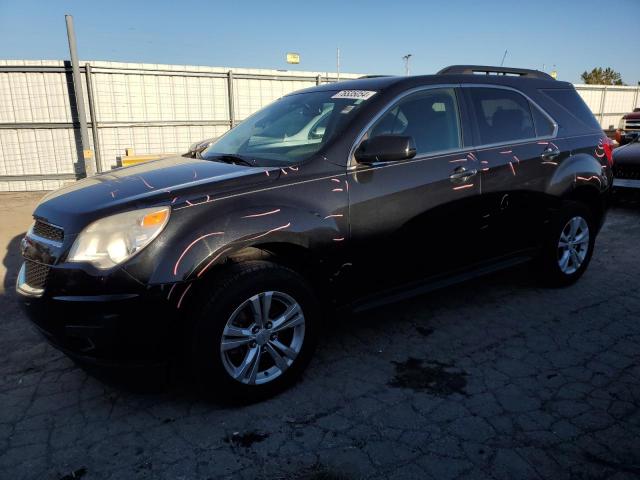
point(573, 35)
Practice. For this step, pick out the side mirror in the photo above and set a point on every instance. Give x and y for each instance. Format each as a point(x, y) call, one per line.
point(386, 148)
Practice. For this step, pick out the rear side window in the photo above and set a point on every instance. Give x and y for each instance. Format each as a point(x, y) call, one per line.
point(501, 115)
point(544, 126)
point(430, 117)
point(572, 102)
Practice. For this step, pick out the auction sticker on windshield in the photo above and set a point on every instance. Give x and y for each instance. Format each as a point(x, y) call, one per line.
point(355, 94)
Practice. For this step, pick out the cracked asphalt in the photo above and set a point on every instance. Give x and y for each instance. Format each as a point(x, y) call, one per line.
point(497, 378)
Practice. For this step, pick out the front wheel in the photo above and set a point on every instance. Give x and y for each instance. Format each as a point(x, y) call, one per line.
point(256, 333)
point(568, 245)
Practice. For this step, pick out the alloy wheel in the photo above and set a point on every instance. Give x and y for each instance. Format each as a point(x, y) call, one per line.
point(573, 245)
point(262, 338)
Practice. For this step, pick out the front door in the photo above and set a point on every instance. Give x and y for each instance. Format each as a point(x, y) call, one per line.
point(415, 218)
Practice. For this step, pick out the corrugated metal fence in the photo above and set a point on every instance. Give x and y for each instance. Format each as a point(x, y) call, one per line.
point(153, 109)
point(609, 103)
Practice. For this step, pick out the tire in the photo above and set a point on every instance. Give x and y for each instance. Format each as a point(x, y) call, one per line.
point(561, 265)
point(228, 312)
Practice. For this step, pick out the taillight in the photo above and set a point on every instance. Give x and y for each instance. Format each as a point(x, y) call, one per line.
point(607, 146)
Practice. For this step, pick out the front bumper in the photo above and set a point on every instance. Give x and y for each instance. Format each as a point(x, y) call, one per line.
point(135, 328)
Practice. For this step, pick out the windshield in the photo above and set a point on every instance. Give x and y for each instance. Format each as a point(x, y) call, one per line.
point(289, 130)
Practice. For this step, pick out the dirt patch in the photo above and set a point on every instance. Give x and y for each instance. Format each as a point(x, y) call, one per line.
point(424, 331)
point(434, 377)
point(245, 440)
point(75, 475)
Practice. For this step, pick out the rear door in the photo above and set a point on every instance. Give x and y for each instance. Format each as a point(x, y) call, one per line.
point(517, 154)
point(414, 218)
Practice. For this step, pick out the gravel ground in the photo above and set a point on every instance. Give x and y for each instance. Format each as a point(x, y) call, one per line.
point(496, 378)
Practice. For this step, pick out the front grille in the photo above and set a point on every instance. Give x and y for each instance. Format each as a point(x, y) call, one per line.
point(50, 232)
point(35, 274)
point(632, 125)
point(626, 172)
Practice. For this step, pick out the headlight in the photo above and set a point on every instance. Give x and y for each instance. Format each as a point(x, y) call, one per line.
point(112, 240)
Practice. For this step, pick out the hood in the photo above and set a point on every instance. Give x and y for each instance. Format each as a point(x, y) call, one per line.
point(174, 179)
point(627, 155)
point(632, 116)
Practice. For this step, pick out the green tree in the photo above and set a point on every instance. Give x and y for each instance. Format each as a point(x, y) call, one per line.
point(602, 76)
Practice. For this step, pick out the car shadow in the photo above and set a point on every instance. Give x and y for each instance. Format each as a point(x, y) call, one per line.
point(11, 262)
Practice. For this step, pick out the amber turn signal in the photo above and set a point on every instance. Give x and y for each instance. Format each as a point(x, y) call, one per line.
point(155, 218)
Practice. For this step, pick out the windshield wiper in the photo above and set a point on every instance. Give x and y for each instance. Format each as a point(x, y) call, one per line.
point(234, 159)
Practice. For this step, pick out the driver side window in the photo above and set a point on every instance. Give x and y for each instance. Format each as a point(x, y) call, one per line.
point(430, 117)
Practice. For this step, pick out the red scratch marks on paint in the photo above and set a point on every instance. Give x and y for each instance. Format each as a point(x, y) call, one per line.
point(147, 184)
point(462, 187)
point(335, 215)
point(113, 194)
point(284, 171)
point(458, 160)
point(543, 143)
point(339, 239)
point(294, 169)
point(282, 227)
point(183, 295)
point(506, 152)
point(346, 184)
point(550, 163)
point(484, 162)
point(175, 268)
point(516, 158)
point(195, 174)
point(206, 267)
point(338, 190)
point(588, 179)
point(472, 156)
point(171, 291)
point(267, 173)
point(335, 180)
point(175, 199)
point(254, 215)
point(513, 170)
point(486, 169)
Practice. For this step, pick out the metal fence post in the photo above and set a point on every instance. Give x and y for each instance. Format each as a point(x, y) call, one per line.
point(87, 153)
point(93, 117)
point(635, 97)
point(232, 112)
point(602, 104)
point(318, 80)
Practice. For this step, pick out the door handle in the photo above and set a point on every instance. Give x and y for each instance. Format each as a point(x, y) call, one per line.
point(461, 175)
point(550, 153)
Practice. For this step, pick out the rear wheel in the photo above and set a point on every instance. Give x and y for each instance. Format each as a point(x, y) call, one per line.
point(256, 333)
point(568, 245)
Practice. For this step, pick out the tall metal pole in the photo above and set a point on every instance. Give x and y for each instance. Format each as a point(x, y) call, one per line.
point(406, 63)
point(87, 152)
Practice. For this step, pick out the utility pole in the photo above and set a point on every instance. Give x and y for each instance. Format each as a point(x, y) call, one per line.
point(406, 63)
point(87, 152)
point(338, 62)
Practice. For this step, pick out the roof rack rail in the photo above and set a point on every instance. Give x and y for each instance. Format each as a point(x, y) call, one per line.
point(488, 70)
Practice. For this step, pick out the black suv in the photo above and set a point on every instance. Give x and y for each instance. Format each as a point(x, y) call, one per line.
point(343, 195)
